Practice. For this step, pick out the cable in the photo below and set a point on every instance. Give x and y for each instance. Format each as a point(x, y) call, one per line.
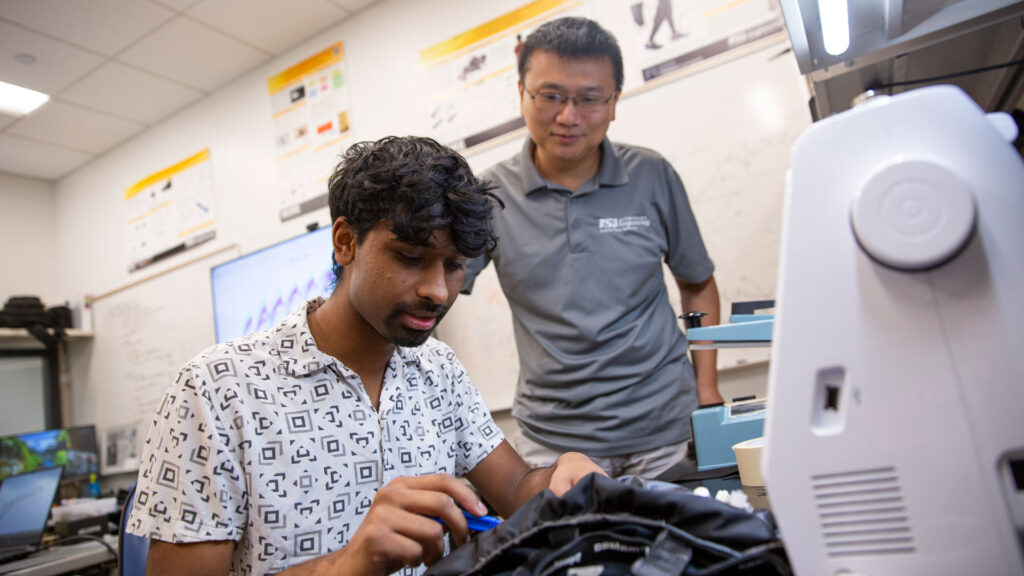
point(764, 553)
point(948, 76)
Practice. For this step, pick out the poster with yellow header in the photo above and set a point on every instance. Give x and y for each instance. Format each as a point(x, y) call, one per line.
point(309, 103)
point(472, 76)
point(170, 211)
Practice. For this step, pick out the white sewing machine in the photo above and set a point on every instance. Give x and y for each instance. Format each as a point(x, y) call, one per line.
point(895, 423)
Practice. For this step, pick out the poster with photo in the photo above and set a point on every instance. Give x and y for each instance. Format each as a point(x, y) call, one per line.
point(472, 77)
point(672, 35)
point(120, 449)
point(170, 211)
point(310, 106)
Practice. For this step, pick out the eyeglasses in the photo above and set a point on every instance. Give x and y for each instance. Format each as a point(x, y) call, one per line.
point(556, 101)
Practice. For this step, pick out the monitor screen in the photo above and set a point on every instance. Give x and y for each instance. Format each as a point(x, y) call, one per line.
point(256, 291)
point(72, 448)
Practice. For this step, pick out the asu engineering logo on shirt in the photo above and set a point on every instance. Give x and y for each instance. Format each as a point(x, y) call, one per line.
point(624, 224)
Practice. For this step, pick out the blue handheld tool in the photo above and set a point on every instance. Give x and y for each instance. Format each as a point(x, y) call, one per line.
point(477, 523)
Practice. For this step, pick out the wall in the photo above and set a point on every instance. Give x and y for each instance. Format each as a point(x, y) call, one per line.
point(28, 236)
point(381, 46)
point(235, 124)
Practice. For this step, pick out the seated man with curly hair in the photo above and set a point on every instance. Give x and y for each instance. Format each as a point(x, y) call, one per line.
point(332, 442)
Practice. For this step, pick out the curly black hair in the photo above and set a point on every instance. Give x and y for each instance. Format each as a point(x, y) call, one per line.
point(576, 38)
point(416, 186)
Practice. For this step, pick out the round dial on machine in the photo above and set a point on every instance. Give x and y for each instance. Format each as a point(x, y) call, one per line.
point(913, 214)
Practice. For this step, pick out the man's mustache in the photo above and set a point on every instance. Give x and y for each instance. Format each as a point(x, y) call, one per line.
point(423, 309)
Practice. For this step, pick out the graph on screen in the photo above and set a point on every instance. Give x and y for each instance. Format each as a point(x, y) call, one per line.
point(256, 291)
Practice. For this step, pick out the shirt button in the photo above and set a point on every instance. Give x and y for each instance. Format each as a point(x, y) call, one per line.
point(576, 224)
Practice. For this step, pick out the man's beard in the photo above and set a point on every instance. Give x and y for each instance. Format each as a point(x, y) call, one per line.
point(401, 335)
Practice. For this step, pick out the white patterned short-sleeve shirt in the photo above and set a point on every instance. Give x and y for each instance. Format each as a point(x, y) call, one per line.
point(270, 442)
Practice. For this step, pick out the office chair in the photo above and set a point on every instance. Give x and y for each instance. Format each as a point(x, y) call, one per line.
point(131, 549)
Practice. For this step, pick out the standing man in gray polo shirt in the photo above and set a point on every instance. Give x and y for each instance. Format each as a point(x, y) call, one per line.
point(603, 365)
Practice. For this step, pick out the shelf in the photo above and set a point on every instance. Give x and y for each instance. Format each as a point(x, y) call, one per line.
point(9, 334)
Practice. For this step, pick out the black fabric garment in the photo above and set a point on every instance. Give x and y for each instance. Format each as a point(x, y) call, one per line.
point(605, 527)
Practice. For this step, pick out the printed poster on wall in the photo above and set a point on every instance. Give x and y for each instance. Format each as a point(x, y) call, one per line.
point(170, 211)
point(471, 77)
point(671, 35)
point(120, 448)
point(310, 106)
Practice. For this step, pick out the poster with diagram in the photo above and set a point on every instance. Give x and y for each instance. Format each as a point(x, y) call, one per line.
point(471, 77)
point(671, 35)
point(310, 106)
point(170, 211)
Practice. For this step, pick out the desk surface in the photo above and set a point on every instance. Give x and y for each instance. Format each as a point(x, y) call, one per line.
point(59, 560)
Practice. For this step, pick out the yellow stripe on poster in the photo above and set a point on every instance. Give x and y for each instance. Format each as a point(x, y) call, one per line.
point(450, 91)
point(487, 29)
point(723, 8)
point(291, 153)
point(341, 137)
point(166, 173)
point(290, 109)
point(188, 232)
point(332, 55)
point(149, 212)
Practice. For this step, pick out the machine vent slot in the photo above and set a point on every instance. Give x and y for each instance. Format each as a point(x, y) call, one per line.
point(863, 513)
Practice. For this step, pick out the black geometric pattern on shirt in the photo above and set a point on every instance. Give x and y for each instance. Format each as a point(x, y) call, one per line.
point(308, 545)
point(258, 392)
point(168, 475)
point(298, 422)
point(337, 507)
point(190, 517)
point(332, 445)
point(488, 429)
point(273, 517)
point(222, 368)
point(274, 431)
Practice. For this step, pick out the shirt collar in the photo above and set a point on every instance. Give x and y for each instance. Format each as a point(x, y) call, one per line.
point(295, 344)
point(612, 171)
point(298, 351)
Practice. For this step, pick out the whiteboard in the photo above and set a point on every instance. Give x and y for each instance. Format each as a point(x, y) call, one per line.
point(143, 335)
point(728, 130)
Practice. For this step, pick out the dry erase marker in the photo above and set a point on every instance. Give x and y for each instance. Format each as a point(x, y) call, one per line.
point(476, 523)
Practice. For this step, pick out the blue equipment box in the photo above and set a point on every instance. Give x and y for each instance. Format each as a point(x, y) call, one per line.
point(716, 429)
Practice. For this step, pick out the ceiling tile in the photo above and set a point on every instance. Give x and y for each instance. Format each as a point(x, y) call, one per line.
point(178, 5)
point(271, 25)
point(354, 5)
point(37, 160)
point(193, 54)
point(6, 120)
point(72, 126)
point(57, 64)
point(106, 26)
point(126, 92)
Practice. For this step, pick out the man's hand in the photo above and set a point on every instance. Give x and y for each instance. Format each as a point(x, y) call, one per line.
point(569, 469)
point(400, 529)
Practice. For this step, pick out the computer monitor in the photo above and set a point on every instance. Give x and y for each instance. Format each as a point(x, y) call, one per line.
point(73, 448)
point(256, 291)
point(25, 501)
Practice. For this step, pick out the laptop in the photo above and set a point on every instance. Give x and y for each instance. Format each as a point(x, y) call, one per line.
point(25, 502)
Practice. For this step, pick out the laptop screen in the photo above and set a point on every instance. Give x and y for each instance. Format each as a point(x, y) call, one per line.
point(25, 502)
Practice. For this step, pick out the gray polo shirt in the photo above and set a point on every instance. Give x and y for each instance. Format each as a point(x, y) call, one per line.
point(603, 367)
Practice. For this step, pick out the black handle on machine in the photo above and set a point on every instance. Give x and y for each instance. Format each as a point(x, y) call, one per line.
point(751, 306)
point(692, 319)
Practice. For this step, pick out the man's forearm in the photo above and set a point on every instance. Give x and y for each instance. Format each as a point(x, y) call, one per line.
point(705, 368)
point(703, 297)
point(528, 485)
